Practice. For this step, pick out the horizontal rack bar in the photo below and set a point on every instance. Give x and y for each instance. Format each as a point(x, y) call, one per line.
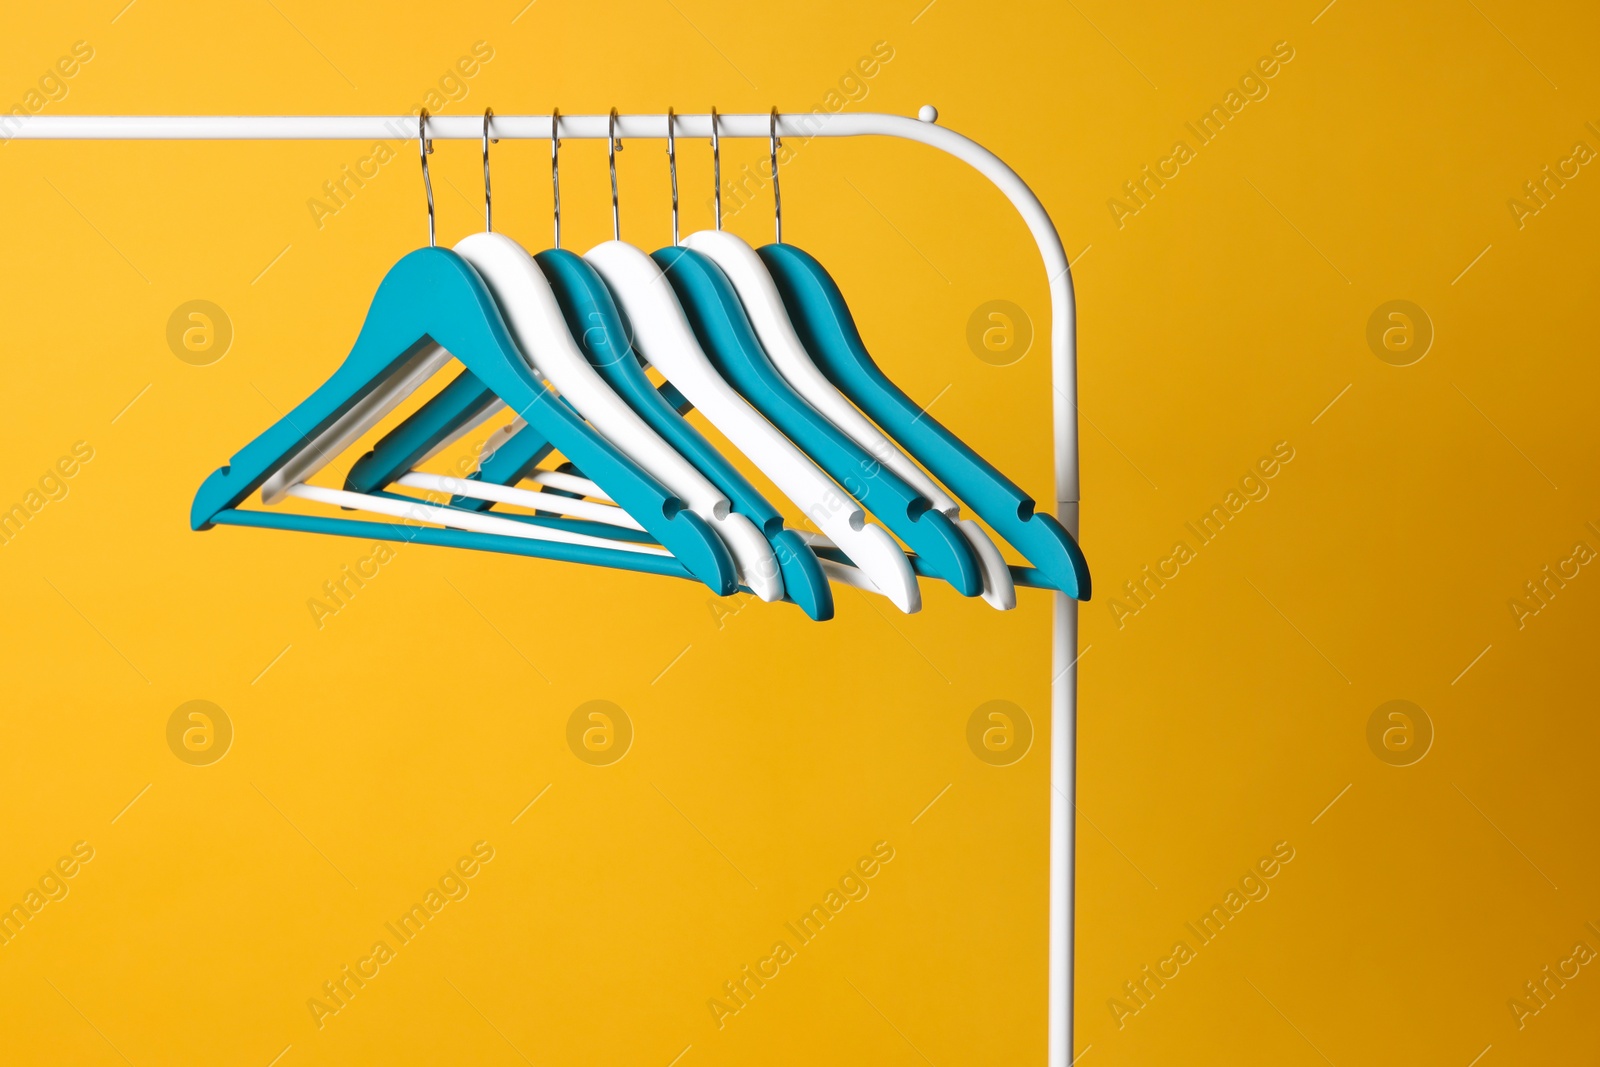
point(452, 127)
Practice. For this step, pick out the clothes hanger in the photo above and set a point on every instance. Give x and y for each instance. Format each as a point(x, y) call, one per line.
point(593, 317)
point(665, 338)
point(725, 333)
point(822, 319)
point(771, 559)
point(647, 300)
point(433, 299)
point(767, 315)
point(755, 291)
point(719, 324)
point(980, 565)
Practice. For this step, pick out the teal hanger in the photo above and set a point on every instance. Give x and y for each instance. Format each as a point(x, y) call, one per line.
point(433, 296)
point(597, 325)
point(822, 319)
point(713, 309)
point(603, 335)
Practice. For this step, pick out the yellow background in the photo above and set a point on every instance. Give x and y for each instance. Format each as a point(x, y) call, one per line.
point(769, 754)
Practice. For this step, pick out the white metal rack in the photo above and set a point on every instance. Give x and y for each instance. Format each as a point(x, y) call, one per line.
point(925, 130)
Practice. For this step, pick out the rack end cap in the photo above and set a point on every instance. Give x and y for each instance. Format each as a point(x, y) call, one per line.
point(928, 113)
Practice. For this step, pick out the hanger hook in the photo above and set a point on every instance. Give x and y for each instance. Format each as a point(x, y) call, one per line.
point(672, 169)
point(716, 166)
point(425, 146)
point(777, 200)
point(555, 168)
point(488, 204)
point(612, 148)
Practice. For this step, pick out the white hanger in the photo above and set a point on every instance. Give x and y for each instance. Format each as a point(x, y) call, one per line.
point(667, 341)
point(764, 306)
point(541, 333)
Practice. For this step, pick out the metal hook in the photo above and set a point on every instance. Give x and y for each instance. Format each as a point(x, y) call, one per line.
point(555, 170)
point(488, 205)
point(777, 200)
point(612, 148)
point(672, 169)
point(716, 166)
point(425, 146)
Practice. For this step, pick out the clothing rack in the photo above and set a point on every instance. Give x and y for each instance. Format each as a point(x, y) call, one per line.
point(923, 129)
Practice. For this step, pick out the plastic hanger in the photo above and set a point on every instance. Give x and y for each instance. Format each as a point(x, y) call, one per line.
point(693, 381)
point(664, 337)
point(822, 319)
point(593, 317)
point(432, 293)
point(725, 333)
point(433, 299)
point(767, 315)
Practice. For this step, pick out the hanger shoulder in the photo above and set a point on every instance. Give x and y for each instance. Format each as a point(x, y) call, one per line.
point(822, 319)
